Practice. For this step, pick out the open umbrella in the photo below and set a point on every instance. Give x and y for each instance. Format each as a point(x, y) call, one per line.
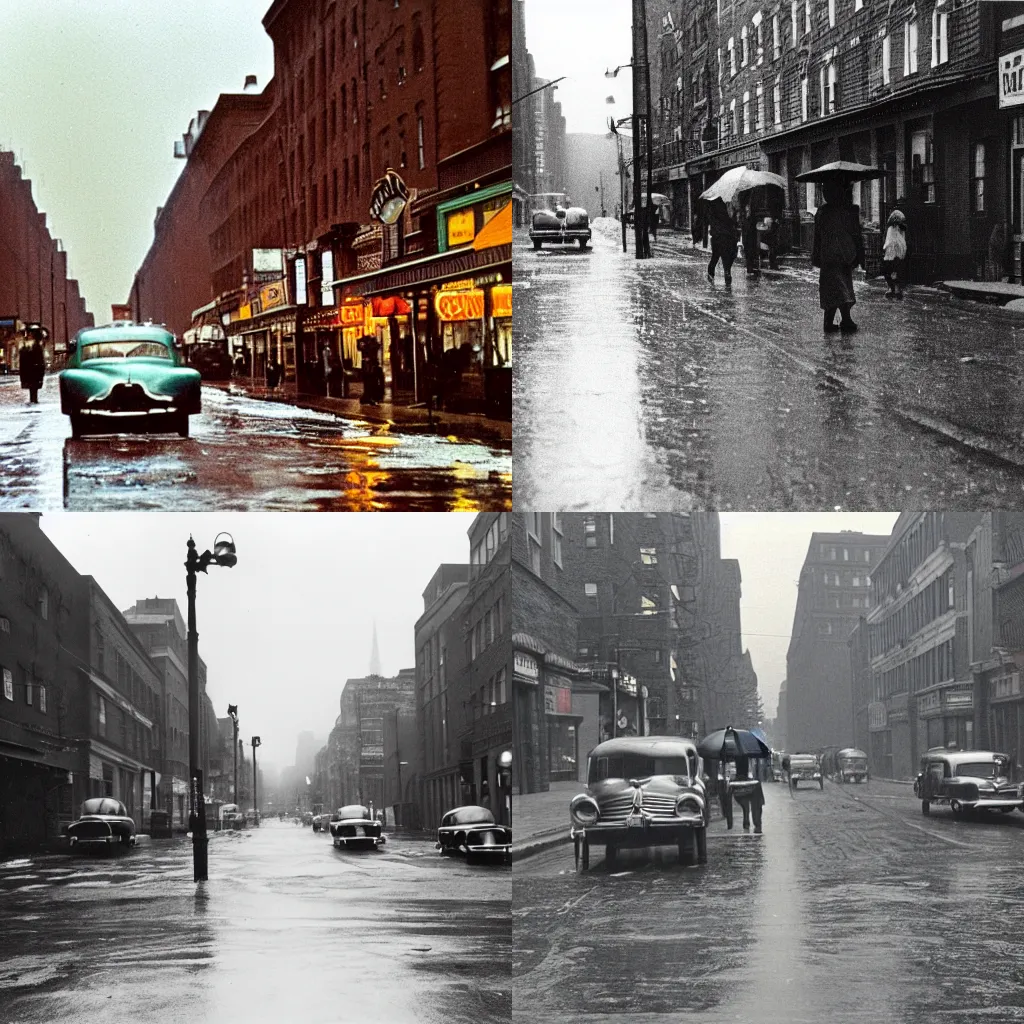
point(741, 179)
point(728, 744)
point(840, 169)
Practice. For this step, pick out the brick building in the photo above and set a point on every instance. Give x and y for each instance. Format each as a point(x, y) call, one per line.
point(34, 282)
point(359, 91)
point(921, 676)
point(833, 593)
point(910, 88)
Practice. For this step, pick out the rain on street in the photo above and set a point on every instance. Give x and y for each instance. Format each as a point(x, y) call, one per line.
point(640, 385)
point(286, 929)
point(244, 454)
point(851, 907)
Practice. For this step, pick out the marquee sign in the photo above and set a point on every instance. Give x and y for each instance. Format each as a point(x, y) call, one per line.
point(467, 305)
point(1011, 79)
point(388, 199)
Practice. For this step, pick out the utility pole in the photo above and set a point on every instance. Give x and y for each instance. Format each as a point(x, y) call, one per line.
point(256, 742)
point(233, 712)
point(641, 102)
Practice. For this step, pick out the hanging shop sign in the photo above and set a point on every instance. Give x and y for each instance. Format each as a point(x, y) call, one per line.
point(460, 285)
point(352, 314)
point(388, 199)
point(461, 227)
point(1011, 79)
point(300, 281)
point(272, 295)
point(501, 300)
point(324, 319)
point(467, 305)
point(244, 312)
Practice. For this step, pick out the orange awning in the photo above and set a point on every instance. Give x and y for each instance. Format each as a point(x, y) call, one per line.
point(390, 306)
point(497, 231)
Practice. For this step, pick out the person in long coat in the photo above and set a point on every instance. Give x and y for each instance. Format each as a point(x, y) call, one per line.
point(723, 239)
point(838, 248)
point(32, 368)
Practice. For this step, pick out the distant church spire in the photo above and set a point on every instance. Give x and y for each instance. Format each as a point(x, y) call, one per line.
point(375, 655)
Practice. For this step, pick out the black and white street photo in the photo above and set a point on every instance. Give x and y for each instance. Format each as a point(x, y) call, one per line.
point(768, 766)
point(768, 256)
point(255, 767)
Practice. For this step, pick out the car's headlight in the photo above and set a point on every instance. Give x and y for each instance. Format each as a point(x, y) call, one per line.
point(689, 803)
point(584, 810)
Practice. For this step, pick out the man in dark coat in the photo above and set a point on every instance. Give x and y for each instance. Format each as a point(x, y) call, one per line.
point(32, 365)
point(723, 239)
point(838, 248)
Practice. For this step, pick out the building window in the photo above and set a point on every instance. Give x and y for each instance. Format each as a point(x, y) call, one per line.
point(922, 168)
point(590, 532)
point(102, 718)
point(776, 37)
point(8, 684)
point(760, 107)
point(909, 48)
point(978, 188)
point(731, 46)
point(419, 141)
point(777, 100)
point(832, 13)
point(833, 101)
point(648, 605)
point(803, 110)
point(590, 590)
point(42, 699)
point(758, 38)
point(858, 5)
point(28, 690)
point(744, 47)
point(649, 556)
point(733, 125)
point(807, 17)
point(746, 113)
point(44, 603)
point(556, 538)
point(940, 35)
point(417, 44)
point(886, 58)
point(794, 20)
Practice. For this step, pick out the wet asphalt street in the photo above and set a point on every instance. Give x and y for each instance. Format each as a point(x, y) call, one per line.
point(243, 455)
point(286, 929)
point(640, 386)
point(851, 907)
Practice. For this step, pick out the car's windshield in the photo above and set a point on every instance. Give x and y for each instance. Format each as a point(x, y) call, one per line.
point(803, 762)
point(981, 769)
point(855, 762)
point(636, 766)
point(125, 350)
point(101, 805)
point(471, 816)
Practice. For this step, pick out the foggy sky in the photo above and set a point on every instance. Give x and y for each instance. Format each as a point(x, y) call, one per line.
point(282, 630)
point(581, 39)
point(771, 548)
point(93, 95)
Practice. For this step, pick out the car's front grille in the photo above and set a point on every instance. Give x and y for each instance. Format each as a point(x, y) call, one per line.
point(618, 807)
point(487, 837)
point(90, 830)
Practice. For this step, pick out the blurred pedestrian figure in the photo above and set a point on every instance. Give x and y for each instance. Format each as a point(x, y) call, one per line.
point(369, 347)
point(838, 248)
point(723, 239)
point(654, 220)
point(751, 243)
point(894, 254)
point(748, 794)
point(32, 364)
point(768, 237)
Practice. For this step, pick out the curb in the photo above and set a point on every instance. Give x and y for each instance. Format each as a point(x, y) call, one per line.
point(540, 844)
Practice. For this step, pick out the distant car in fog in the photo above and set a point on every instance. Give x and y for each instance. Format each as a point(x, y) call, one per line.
point(561, 225)
point(104, 824)
point(352, 826)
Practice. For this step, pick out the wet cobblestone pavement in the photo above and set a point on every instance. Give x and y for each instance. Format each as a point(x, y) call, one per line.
point(640, 386)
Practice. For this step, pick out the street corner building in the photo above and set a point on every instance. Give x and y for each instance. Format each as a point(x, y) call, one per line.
point(354, 215)
point(931, 93)
point(623, 624)
point(90, 702)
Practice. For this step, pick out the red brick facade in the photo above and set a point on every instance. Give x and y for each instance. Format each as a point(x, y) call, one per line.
point(34, 286)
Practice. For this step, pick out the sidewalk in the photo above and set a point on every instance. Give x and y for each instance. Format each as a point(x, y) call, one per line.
point(408, 419)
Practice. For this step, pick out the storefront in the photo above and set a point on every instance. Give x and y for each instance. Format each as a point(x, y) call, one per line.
point(562, 728)
point(945, 716)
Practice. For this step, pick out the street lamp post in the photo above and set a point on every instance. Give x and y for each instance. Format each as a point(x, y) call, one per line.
point(398, 810)
point(256, 742)
point(224, 555)
point(505, 777)
point(233, 712)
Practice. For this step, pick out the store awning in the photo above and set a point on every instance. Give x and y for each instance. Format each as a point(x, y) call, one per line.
point(393, 305)
point(497, 231)
point(58, 760)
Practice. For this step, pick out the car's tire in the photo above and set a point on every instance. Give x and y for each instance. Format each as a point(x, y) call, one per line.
point(925, 806)
point(610, 855)
point(701, 837)
point(181, 426)
point(582, 849)
point(536, 243)
point(821, 783)
point(583, 244)
point(77, 426)
point(1007, 810)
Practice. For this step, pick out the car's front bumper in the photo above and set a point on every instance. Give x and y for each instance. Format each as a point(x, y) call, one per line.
point(802, 777)
point(653, 831)
point(554, 235)
point(991, 801)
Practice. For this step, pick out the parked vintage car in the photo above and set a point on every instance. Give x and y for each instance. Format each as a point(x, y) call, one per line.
point(804, 768)
point(967, 780)
point(852, 765)
point(562, 226)
point(354, 827)
point(231, 817)
point(104, 824)
point(128, 377)
point(472, 831)
point(642, 791)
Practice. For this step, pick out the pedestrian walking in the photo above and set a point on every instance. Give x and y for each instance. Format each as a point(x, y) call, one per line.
point(723, 239)
point(751, 243)
point(654, 221)
point(838, 248)
point(748, 794)
point(32, 364)
point(768, 236)
point(894, 254)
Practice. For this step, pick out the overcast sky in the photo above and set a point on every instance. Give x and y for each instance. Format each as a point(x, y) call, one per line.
point(771, 548)
point(581, 39)
point(93, 94)
point(282, 630)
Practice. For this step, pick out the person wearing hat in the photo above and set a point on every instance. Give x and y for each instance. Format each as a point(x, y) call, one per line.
point(32, 363)
point(894, 254)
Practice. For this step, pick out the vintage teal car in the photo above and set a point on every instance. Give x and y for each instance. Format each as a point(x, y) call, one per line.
point(128, 377)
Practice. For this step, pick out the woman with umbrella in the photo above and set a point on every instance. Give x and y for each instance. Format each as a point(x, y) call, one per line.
point(737, 745)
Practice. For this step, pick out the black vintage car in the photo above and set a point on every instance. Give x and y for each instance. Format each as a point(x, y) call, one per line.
point(353, 827)
point(967, 780)
point(104, 824)
point(472, 832)
point(561, 226)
